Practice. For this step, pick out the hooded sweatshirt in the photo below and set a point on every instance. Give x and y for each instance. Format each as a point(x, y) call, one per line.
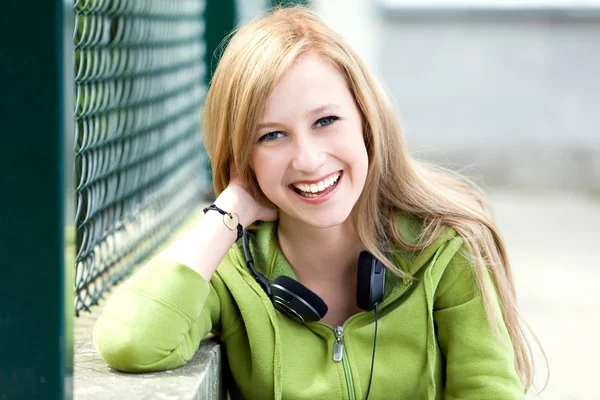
point(434, 340)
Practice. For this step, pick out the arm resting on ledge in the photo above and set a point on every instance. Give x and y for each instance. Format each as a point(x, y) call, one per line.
point(156, 319)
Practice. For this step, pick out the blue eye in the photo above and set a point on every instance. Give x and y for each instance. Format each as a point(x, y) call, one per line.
point(270, 136)
point(325, 121)
point(321, 122)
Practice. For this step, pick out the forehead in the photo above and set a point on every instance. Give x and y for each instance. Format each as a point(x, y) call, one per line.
point(311, 81)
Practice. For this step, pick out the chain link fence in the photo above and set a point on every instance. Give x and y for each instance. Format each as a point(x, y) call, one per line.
point(139, 85)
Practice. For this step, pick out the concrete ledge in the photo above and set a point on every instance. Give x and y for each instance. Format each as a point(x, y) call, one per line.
point(200, 378)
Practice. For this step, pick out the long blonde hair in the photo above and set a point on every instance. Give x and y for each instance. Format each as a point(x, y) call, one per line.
point(256, 58)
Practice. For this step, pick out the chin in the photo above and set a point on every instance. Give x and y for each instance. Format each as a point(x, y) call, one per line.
point(322, 221)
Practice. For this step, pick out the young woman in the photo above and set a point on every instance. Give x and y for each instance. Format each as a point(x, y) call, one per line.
point(351, 242)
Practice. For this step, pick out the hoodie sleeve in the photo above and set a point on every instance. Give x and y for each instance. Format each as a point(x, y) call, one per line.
point(156, 319)
point(479, 365)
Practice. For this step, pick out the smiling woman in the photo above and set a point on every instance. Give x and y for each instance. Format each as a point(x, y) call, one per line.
point(341, 223)
point(310, 146)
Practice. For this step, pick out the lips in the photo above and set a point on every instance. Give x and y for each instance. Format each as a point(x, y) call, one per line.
point(318, 189)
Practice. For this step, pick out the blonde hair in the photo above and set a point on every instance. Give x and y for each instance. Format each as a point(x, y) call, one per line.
point(256, 58)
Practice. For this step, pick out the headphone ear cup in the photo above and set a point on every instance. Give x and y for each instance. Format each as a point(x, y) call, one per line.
point(296, 300)
point(363, 283)
point(370, 281)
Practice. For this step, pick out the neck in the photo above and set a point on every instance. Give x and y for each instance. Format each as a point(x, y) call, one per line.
point(324, 254)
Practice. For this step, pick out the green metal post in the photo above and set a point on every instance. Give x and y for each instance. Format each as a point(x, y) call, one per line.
point(36, 184)
point(220, 21)
point(219, 17)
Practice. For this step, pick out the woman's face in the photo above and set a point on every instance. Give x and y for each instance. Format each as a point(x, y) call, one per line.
point(308, 154)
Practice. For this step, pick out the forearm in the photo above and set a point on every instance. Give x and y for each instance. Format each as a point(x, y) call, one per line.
point(156, 319)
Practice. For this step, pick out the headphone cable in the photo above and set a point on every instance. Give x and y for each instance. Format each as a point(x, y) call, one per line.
point(374, 347)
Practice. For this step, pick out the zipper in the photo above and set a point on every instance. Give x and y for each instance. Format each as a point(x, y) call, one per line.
point(338, 345)
point(338, 355)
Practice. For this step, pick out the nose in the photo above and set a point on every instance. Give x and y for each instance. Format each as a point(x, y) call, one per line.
point(309, 156)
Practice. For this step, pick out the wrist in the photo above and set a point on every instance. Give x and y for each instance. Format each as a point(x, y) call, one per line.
point(231, 220)
point(237, 202)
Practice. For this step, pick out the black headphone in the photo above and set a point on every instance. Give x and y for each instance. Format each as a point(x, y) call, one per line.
point(301, 304)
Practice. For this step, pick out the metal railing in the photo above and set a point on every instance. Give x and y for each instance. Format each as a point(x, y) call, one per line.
point(139, 85)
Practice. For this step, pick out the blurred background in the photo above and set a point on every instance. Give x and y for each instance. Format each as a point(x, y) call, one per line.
point(103, 161)
point(508, 92)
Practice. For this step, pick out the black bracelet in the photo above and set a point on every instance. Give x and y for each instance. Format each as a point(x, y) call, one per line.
point(231, 220)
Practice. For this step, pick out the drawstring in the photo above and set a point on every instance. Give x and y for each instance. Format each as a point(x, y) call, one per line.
point(431, 389)
point(431, 339)
point(374, 347)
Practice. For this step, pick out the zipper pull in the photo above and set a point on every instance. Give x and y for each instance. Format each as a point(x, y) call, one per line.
point(338, 347)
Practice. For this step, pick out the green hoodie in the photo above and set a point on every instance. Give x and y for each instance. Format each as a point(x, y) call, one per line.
point(433, 341)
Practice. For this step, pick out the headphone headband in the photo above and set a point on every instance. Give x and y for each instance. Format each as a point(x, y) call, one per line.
point(300, 303)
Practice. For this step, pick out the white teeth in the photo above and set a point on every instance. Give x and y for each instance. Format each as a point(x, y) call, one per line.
point(310, 189)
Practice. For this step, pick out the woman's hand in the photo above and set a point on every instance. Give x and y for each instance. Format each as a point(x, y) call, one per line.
point(237, 199)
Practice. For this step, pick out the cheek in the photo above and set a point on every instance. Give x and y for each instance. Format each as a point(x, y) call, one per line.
point(362, 162)
point(267, 172)
point(258, 164)
point(355, 150)
point(357, 158)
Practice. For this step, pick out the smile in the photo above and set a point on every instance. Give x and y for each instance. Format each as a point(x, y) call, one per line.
point(316, 189)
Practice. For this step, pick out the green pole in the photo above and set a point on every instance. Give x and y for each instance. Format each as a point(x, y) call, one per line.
point(219, 17)
point(37, 194)
point(220, 21)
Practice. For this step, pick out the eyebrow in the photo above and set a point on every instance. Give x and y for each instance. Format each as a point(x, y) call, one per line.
point(313, 112)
